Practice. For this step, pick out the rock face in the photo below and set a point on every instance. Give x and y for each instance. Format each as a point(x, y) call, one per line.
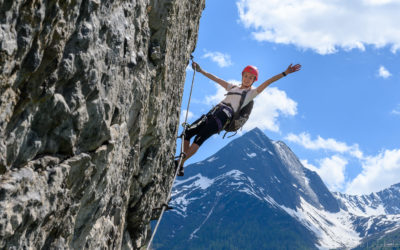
point(90, 93)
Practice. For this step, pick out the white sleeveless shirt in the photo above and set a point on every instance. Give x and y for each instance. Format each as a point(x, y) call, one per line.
point(234, 100)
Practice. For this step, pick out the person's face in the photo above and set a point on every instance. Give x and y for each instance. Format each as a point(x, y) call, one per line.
point(248, 79)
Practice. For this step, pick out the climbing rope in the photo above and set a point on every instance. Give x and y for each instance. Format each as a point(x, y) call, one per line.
point(185, 126)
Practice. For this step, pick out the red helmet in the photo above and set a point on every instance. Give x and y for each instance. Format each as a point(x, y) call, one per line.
point(252, 70)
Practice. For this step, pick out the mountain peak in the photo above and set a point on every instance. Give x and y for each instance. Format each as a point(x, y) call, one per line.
point(255, 130)
point(255, 133)
point(270, 164)
point(254, 181)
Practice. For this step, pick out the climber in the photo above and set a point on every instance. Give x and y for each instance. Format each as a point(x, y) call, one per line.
point(218, 117)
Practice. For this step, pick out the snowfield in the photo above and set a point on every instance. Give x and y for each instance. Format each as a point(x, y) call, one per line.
point(334, 230)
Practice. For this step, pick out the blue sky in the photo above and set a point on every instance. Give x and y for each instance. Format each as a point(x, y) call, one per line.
point(341, 113)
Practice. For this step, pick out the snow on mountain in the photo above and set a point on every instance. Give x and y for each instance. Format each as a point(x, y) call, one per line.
point(187, 191)
point(375, 213)
point(361, 205)
point(269, 175)
point(333, 230)
point(381, 224)
point(314, 189)
point(379, 203)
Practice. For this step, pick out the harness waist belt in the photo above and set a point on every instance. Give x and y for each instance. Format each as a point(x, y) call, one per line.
point(227, 109)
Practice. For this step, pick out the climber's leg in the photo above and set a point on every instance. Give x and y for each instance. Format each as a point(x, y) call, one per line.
point(190, 152)
point(186, 144)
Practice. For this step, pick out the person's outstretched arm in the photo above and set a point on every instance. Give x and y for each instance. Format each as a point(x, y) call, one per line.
point(289, 70)
point(210, 76)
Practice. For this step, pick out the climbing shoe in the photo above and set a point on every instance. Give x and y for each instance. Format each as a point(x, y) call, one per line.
point(177, 159)
point(180, 171)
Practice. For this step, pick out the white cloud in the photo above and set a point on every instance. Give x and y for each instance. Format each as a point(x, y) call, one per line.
point(331, 171)
point(378, 2)
point(183, 115)
point(379, 172)
point(396, 111)
point(268, 107)
point(304, 139)
point(323, 26)
point(383, 72)
point(309, 165)
point(223, 60)
point(217, 97)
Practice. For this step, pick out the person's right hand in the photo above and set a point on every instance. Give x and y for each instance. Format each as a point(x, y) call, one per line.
point(196, 67)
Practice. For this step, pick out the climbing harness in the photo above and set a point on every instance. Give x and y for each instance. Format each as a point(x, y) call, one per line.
point(185, 125)
point(240, 117)
point(224, 108)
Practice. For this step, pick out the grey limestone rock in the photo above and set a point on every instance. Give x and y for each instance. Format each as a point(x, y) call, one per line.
point(90, 95)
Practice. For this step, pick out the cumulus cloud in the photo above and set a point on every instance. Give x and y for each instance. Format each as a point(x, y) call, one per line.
point(223, 60)
point(323, 26)
point(378, 173)
point(331, 170)
point(309, 165)
point(379, 2)
point(268, 107)
point(396, 111)
point(183, 115)
point(330, 144)
point(383, 72)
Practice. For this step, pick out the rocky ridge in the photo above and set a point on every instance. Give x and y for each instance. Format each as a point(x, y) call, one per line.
point(90, 93)
point(254, 193)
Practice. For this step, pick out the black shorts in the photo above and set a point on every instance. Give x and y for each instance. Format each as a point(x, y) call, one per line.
point(206, 126)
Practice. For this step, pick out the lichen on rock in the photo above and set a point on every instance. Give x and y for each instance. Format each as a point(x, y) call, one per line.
point(90, 95)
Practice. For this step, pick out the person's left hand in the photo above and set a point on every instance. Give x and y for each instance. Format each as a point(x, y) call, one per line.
point(196, 66)
point(292, 69)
